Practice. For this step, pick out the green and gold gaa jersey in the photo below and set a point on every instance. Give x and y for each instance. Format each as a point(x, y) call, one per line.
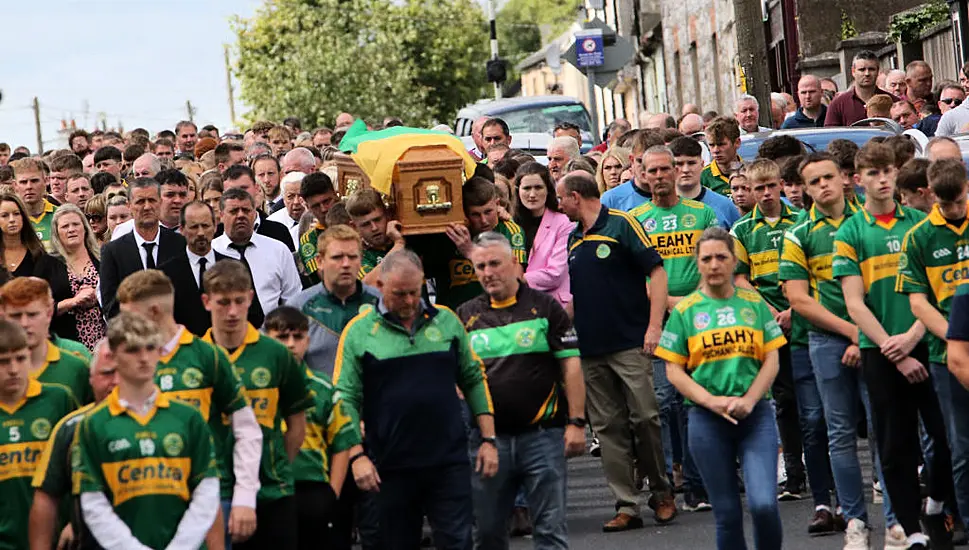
point(24, 431)
point(68, 370)
point(370, 259)
point(675, 232)
point(934, 261)
point(307, 249)
point(276, 387)
point(329, 430)
point(866, 247)
point(147, 466)
point(757, 244)
point(722, 343)
point(807, 254)
point(200, 374)
point(74, 347)
point(42, 226)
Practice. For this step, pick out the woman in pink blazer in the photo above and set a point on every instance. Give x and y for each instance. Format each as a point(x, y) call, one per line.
point(546, 231)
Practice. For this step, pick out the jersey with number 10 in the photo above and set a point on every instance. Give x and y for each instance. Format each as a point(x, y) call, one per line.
point(866, 247)
point(675, 232)
point(934, 262)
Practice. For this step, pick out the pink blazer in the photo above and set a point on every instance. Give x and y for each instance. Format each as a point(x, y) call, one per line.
point(548, 260)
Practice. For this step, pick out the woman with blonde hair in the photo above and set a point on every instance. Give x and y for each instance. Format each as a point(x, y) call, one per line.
point(614, 162)
point(75, 244)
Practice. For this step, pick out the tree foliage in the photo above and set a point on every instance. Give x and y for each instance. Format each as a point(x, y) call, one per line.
point(524, 26)
point(421, 60)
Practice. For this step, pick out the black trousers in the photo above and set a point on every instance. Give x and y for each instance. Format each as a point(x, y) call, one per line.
point(276, 527)
point(316, 505)
point(896, 406)
point(443, 494)
point(788, 420)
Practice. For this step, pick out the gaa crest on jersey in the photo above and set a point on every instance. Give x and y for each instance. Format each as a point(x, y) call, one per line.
point(748, 315)
point(701, 320)
point(902, 261)
point(260, 377)
point(173, 444)
point(689, 221)
point(517, 239)
point(649, 224)
point(192, 378)
point(433, 334)
point(307, 249)
point(40, 428)
point(603, 251)
point(525, 337)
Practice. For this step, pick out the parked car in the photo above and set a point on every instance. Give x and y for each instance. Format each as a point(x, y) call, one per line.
point(530, 115)
point(817, 139)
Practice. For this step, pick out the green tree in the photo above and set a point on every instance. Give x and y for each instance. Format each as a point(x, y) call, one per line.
point(421, 60)
point(525, 25)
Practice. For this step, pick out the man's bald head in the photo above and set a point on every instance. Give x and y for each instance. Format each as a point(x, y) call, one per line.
point(299, 159)
point(146, 166)
point(661, 121)
point(691, 124)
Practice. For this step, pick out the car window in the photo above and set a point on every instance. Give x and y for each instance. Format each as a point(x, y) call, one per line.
point(543, 119)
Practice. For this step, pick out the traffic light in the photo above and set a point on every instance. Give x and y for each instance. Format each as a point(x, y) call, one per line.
point(497, 70)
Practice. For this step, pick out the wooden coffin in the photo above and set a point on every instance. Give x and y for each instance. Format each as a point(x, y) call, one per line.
point(350, 177)
point(427, 189)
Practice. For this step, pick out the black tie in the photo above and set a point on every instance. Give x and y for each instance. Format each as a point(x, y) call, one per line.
point(256, 307)
point(150, 259)
point(202, 262)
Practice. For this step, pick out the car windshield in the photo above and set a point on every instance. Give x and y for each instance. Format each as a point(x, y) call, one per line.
point(544, 119)
point(813, 141)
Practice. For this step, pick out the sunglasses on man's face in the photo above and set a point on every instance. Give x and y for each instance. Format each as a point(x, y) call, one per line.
point(952, 101)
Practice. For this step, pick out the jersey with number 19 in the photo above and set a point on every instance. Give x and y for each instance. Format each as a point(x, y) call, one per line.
point(675, 232)
point(934, 262)
point(24, 430)
point(869, 248)
point(146, 465)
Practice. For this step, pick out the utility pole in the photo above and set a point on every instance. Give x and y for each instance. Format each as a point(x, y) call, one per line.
point(40, 138)
point(228, 85)
point(494, 41)
point(190, 110)
point(752, 54)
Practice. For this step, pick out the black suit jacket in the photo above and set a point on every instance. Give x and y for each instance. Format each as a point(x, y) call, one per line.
point(268, 228)
point(189, 310)
point(121, 258)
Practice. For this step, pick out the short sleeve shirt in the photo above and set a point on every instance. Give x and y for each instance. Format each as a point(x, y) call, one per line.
point(329, 430)
point(67, 370)
point(757, 245)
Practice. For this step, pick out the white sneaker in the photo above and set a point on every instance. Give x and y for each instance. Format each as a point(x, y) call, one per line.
point(856, 536)
point(895, 538)
point(781, 471)
point(876, 493)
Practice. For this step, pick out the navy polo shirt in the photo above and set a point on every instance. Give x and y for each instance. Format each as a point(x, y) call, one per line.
point(608, 267)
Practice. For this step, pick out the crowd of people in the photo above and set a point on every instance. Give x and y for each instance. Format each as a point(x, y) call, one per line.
point(202, 342)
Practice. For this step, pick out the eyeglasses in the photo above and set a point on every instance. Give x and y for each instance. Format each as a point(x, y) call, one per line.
point(952, 101)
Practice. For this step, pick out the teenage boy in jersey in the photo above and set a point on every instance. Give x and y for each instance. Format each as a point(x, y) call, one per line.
point(145, 463)
point(275, 385)
point(449, 263)
point(28, 411)
point(757, 239)
point(320, 467)
point(379, 233)
point(934, 261)
point(805, 271)
point(688, 157)
point(28, 302)
point(52, 480)
point(894, 355)
point(200, 374)
point(723, 138)
point(674, 225)
point(531, 357)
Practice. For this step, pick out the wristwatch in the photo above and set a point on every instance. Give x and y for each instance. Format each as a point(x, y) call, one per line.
point(578, 422)
point(491, 441)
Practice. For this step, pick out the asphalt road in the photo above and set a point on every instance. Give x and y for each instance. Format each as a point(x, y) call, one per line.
point(591, 504)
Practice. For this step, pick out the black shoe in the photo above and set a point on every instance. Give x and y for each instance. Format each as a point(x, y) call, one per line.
point(521, 523)
point(791, 491)
point(823, 523)
point(938, 531)
point(696, 501)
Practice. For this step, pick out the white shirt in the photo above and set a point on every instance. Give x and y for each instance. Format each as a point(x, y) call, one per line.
point(139, 241)
point(193, 262)
point(124, 228)
point(273, 269)
point(283, 217)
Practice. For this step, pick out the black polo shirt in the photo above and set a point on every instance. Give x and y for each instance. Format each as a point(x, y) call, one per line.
point(608, 267)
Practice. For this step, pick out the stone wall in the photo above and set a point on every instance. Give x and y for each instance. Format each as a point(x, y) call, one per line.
point(819, 23)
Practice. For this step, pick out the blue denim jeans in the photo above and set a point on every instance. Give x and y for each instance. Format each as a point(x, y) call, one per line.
point(534, 461)
point(715, 442)
point(813, 429)
point(954, 402)
point(226, 509)
point(841, 388)
point(672, 415)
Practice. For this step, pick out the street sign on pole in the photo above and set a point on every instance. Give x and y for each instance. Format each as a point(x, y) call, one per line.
point(589, 48)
